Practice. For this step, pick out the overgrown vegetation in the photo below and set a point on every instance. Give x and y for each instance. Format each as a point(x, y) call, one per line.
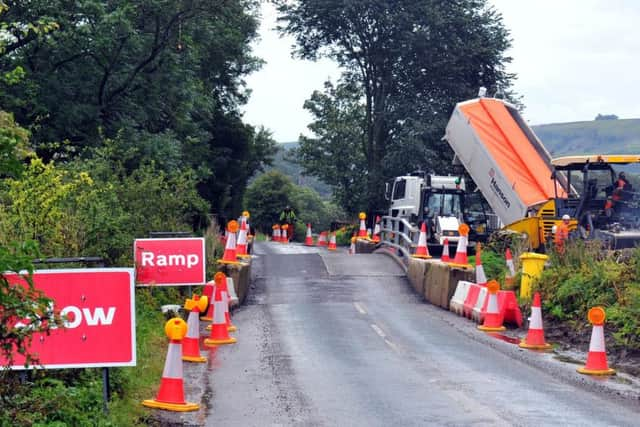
point(587, 276)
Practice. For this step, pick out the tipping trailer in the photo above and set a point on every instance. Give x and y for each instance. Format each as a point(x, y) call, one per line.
point(509, 165)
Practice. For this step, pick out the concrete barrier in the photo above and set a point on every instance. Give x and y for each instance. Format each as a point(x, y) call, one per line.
point(241, 275)
point(435, 280)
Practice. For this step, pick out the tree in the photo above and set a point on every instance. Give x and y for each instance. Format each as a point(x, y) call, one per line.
point(334, 155)
point(411, 61)
point(267, 196)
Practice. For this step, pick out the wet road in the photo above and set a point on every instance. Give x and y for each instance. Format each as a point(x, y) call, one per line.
point(329, 339)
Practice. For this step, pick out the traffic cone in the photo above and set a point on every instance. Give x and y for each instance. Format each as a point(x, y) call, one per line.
point(460, 259)
point(219, 333)
point(535, 335)
point(492, 318)
point(362, 232)
point(171, 392)
point(241, 246)
point(376, 230)
point(597, 357)
point(332, 242)
point(230, 251)
point(322, 239)
point(276, 233)
point(352, 247)
point(308, 241)
point(283, 233)
point(481, 278)
point(509, 278)
point(207, 291)
point(221, 281)
point(445, 251)
point(245, 217)
point(233, 296)
point(191, 342)
point(422, 251)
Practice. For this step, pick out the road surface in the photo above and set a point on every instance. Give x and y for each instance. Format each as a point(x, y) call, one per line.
point(329, 339)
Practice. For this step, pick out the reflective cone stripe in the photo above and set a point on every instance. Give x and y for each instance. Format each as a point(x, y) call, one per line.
point(219, 333)
point(241, 245)
point(191, 342)
point(322, 239)
point(332, 242)
point(170, 394)
point(445, 251)
point(597, 363)
point(535, 335)
point(492, 318)
point(422, 251)
point(510, 266)
point(308, 241)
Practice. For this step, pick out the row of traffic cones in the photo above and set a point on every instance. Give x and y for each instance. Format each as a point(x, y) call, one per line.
point(184, 339)
point(236, 246)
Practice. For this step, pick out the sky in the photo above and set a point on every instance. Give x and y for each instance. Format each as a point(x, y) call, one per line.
point(574, 59)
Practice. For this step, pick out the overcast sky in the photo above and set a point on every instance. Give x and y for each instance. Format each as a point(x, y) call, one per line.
point(574, 60)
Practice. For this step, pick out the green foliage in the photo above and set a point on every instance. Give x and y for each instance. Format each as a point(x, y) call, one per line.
point(266, 197)
point(13, 145)
point(405, 65)
point(493, 263)
point(585, 277)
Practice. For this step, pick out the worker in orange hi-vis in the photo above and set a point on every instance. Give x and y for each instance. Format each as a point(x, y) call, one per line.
point(562, 233)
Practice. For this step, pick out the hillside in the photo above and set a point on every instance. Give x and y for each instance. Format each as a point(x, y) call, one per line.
point(592, 137)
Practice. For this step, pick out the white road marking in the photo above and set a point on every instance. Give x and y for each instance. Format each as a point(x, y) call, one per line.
point(392, 345)
point(378, 330)
point(360, 308)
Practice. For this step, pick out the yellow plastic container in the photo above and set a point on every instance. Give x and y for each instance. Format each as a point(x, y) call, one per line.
point(532, 266)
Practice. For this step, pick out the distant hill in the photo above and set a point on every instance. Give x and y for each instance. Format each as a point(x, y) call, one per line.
point(608, 136)
point(284, 162)
point(619, 136)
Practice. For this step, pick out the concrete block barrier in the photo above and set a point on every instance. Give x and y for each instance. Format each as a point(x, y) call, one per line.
point(365, 246)
point(416, 273)
point(456, 303)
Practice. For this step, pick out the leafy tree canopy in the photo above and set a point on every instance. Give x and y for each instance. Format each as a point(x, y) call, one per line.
point(410, 61)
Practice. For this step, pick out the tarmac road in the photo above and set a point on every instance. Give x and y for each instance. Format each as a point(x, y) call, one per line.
point(329, 339)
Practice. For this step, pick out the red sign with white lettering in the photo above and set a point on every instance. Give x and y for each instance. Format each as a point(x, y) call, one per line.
point(99, 312)
point(169, 262)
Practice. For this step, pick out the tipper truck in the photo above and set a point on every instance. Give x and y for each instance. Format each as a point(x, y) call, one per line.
point(519, 179)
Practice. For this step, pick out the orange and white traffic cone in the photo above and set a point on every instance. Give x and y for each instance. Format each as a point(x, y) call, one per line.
point(241, 246)
point(191, 342)
point(422, 251)
point(510, 277)
point(207, 291)
point(221, 281)
point(245, 218)
point(445, 251)
point(322, 238)
point(352, 247)
point(171, 392)
point(597, 358)
point(493, 317)
point(535, 335)
point(362, 232)
point(219, 332)
point(332, 242)
point(308, 241)
point(283, 233)
point(276, 233)
point(461, 259)
point(481, 278)
point(230, 250)
point(376, 230)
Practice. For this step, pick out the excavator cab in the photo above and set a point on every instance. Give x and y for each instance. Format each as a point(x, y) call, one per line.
point(605, 206)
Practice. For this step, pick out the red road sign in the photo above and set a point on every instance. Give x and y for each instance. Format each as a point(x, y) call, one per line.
point(100, 318)
point(169, 262)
